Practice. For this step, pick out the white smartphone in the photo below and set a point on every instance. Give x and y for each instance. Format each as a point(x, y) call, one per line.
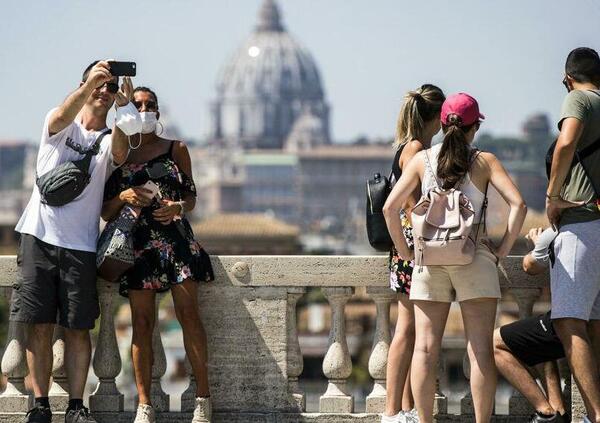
point(151, 186)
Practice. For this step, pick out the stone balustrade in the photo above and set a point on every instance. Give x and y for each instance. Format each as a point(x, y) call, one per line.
point(255, 360)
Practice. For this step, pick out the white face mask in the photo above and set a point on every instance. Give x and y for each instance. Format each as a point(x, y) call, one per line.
point(149, 121)
point(128, 119)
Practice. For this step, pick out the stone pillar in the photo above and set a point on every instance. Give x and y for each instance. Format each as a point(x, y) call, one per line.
point(15, 398)
point(382, 296)
point(59, 390)
point(188, 397)
point(337, 364)
point(525, 299)
point(107, 360)
point(295, 362)
point(159, 398)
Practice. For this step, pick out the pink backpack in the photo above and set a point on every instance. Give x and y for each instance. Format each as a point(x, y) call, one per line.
point(442, 222)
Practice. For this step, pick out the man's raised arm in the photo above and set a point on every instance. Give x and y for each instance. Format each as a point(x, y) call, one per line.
point(65, 114)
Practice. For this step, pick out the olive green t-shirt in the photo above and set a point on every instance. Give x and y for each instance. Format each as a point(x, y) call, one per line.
point(583, 105)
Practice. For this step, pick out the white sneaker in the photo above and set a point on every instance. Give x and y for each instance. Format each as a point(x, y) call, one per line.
point(398, 418)
point(412, 416)
point(203, 410)
point(145, 414)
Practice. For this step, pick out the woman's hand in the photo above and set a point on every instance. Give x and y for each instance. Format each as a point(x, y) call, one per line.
point(167, 212)
point(125, 94)
point(494, 250)
point(136, 196)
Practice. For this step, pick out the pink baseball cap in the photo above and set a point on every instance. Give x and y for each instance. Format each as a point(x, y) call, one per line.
point(462, 105)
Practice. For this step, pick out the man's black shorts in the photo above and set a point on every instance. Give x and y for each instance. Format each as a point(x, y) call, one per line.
point(55, 281)
point(533, 340)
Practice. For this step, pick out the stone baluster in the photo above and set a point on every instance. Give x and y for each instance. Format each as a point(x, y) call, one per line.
point(159, 398)
point(59, 391)
point(440, 404)
point(188, 397)
point(525, 299)
point(337, 364)
point(466, 402)
point(382, 296)
point(15, 398)
point(107, 359)
point(295, 362)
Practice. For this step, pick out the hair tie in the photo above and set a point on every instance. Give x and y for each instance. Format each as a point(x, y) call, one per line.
point(454, 120)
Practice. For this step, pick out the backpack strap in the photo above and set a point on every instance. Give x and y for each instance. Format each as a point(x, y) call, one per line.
point(93, 150)
point(429, 168)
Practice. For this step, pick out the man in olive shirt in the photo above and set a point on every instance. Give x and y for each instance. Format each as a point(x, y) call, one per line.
point(571, 206)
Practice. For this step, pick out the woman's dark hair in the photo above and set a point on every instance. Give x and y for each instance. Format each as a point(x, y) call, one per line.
point(149, 91)
point(454, 158)
point(420, 106)
point(583, 65)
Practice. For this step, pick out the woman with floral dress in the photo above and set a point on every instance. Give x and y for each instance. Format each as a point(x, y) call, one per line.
point(418, 122)
point(167, 257)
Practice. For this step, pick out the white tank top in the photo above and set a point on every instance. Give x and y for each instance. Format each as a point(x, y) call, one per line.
point(431, 181)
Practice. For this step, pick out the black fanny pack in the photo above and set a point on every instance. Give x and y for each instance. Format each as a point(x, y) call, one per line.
point(67, 181)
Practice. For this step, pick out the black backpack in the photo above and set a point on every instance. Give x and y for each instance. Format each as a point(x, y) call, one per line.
point(67, 181)
point(378, 190)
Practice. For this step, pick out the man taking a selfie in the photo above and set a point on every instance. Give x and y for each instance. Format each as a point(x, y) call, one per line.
point(57, 252)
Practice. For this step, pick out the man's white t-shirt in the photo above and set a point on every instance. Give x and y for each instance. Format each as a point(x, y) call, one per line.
point(74, 225)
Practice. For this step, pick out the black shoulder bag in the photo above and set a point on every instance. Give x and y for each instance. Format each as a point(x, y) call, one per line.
point(67, 181)
point(580, 156)
point(378, 190)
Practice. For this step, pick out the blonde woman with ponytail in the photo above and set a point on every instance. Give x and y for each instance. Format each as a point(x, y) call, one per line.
point(455, 164)
point(418, 122)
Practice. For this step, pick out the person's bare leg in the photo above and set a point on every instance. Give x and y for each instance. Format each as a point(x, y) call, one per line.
point(551, 381)
point(576, 342)
point(39, 357)
point(408, 401)
point(399, 357)
point(78, 353)
point(515, 372)
point(142, 322)
point(593, 327)
point(185, 298)
point(479, 316)
point(430, 322)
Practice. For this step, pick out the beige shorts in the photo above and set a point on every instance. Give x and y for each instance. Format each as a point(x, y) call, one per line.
point(478, 279)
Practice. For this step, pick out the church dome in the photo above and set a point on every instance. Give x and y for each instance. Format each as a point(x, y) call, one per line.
point(267, 84)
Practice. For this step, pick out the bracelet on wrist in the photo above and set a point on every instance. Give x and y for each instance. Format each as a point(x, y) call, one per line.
point(552, 197)
point(182, 209)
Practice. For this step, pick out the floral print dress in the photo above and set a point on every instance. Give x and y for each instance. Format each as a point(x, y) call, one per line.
point(401, 270)
point(165, 255)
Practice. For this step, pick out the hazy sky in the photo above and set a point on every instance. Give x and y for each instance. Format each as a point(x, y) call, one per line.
point(509, 54)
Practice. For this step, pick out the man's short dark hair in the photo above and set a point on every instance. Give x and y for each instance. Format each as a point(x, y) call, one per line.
point(87, 70)
point(583, 65)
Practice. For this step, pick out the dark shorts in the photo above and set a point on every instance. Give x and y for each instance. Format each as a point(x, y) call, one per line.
point(56, 285)
point(533, 340)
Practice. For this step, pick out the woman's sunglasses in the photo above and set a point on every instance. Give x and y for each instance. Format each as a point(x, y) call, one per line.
point(149, 104)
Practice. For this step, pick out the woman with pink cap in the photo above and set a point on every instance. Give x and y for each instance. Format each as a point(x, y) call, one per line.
point(454, 163)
